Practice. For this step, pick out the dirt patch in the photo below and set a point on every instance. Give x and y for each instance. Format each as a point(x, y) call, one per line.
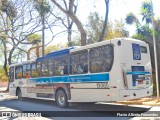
point(151, 101)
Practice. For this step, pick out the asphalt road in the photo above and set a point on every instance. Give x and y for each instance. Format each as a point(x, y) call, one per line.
point(100, 111)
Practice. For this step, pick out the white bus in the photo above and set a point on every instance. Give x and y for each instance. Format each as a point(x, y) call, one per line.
point(112, 70)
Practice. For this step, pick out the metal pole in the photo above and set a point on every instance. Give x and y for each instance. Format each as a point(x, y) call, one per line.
point(155, 53)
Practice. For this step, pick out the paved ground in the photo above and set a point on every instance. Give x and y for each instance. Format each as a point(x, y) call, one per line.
point(10, 103)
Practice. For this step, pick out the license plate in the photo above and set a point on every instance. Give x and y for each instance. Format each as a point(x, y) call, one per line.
point(140, 81)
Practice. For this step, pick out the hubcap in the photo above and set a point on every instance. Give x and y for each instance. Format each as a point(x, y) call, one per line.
point(61, 99)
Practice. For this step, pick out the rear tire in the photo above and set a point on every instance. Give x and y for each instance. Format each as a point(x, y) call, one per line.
point(61, 99)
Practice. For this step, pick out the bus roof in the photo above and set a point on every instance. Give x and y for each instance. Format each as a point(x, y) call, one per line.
point(22, 63)
point(105, 42)
point(56, 53)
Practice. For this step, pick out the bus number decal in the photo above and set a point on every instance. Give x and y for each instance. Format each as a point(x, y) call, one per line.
point(103, 85)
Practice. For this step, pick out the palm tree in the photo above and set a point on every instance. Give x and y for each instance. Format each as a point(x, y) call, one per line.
point(43, 8)
point(131, 19)
point(146, 12)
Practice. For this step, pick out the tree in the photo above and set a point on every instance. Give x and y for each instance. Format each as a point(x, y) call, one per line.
point(105, 22)
point(146, 12)
point(131, 19)
point(17, 22)
point(9, 9)
point(66, 21)
point(52, 48)
point(35, 50)
point(116, 29)
point(43, 8)
point(70, 13)
point(95, 26)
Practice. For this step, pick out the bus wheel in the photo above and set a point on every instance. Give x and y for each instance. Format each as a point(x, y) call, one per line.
point(61, 99)
point(19, 94)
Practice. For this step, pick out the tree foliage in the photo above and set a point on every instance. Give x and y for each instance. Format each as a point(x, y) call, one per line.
point(42, 6)
point(146, 12)
point(34, 38)
point(19, 25)
point(131, 18)
point(95, 26)
point(53, 48)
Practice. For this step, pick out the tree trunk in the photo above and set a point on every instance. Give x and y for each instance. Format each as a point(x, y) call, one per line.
point(43, 36)
point(69, 37)
point(73, 18)
point(105, 22)
point(80, 28)
point(5, 63)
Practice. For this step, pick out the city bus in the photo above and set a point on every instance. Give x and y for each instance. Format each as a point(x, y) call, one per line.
point(111, 70)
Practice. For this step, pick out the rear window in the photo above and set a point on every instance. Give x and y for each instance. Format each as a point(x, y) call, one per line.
point(137, 69)
point(143, 49)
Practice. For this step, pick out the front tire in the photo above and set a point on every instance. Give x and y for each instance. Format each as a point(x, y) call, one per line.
point(61, 99)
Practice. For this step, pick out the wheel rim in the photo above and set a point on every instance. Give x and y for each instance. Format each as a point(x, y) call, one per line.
point(61, 99)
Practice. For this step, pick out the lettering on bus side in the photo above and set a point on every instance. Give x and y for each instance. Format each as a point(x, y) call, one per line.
point(103, 85)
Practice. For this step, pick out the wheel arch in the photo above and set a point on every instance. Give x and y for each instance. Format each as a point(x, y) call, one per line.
point(65, 89)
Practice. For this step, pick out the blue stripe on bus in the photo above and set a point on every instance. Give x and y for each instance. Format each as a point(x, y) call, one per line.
point(137, 73)
point(76, 78)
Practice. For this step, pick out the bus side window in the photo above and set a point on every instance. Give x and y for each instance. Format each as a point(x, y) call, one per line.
point(45, 70)
point(61, 65)
point(33, 70)
point(51, 69)
point(79, 62)
point(26, 71)
point(39, 69)
point(101, 58)
point(18, 72)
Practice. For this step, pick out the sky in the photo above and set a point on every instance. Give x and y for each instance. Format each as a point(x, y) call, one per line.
point(118, 9)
